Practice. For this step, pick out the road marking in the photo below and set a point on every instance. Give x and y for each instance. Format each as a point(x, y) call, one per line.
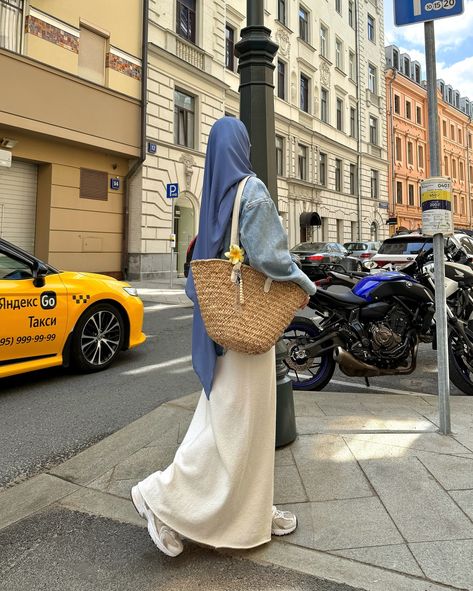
point(372, 388)
point(157, 307)
point(186, 317)
point(156, 366)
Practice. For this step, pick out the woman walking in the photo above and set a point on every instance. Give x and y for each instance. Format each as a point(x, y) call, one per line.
point(219, 489)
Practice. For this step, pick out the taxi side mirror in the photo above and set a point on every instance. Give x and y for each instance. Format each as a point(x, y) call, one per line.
point(39, 273)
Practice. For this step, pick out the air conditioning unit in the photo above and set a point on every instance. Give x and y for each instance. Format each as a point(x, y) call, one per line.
point(5, 158)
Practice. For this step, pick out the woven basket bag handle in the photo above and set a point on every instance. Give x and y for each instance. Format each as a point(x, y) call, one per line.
point(235, 234)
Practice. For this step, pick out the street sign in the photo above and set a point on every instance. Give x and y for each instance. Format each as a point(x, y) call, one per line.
point(408, 12)
point(436, 197)
point(172, 190)
point(114, 184)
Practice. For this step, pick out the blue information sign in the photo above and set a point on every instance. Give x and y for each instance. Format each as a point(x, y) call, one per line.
point(172, 190)
point(408, 12)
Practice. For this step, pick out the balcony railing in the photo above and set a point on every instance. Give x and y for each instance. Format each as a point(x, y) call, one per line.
point(11, 23)
point(189, 53)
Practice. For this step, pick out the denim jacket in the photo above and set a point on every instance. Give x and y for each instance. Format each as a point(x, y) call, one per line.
point(264, 239)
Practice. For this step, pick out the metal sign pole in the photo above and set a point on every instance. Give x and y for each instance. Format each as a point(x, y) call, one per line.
point(438, 241)
point(172, 245)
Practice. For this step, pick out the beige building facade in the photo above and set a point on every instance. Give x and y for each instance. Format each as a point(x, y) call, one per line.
point(330, 119)
point(70, 116)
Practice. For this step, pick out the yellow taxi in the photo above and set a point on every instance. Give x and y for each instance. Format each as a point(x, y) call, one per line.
point(50, 317)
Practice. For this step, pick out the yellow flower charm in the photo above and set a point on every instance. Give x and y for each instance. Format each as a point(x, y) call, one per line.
point(235, 254)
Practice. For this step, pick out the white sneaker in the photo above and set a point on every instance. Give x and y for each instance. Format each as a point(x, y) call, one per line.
point(165, 538)
point(283, 523)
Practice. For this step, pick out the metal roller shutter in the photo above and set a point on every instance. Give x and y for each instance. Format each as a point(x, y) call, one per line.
point(18, 204)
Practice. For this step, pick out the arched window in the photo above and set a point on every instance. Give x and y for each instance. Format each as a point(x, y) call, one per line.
point(374, 231)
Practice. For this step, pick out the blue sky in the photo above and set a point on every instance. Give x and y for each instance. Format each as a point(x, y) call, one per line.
point(454, 43)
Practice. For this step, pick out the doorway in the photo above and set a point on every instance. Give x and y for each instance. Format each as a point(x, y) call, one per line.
point(184, 228)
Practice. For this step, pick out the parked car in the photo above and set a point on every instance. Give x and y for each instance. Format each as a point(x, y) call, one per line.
point(51, 317)
point(316, 257)
point(363, 251)
point(399, 250)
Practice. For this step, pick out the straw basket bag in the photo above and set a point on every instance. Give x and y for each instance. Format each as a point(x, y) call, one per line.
point(242, 309)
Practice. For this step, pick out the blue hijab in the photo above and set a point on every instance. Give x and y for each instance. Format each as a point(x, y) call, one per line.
point(226, 163)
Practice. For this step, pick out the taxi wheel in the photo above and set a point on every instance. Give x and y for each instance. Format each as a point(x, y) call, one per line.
point(97, 338)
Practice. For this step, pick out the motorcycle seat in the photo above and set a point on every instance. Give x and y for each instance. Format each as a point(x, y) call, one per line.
point(341, 300)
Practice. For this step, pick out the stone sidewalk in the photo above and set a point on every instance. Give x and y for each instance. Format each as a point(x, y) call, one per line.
point(160, 291)
point(384, 501)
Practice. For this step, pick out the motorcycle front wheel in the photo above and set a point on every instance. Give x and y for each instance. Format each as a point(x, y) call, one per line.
point(306, 373)
point(460, 364)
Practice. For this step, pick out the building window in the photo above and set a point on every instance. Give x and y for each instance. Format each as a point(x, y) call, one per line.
point(420, 156)
point(372, 79)
point(444, 128)
point(410, 194)
point(445, 165)
point(352, 122)
point(304, 93)
point(338, 6)
point(229, 48)
point(302, 162)
point(452, 131)
point(185, 19)
point(339, 54)
point(324, 105)
point(410, 153)
point(398, 192)
point(11, 18)
point(183, 119)
point(373, 130)
point(417, 73)
point(397, 104)
point(303, 24)
point(408, 109)
point(351, 66)
point(352, 179)
point(92, 49)
point(398, 149)
point(322, 169)
point(339, 114)
point(351, 14)
point(371, 29)
point(374, 184)
point(323, 41)
point(462, 171)
point(279, 155)
point(454, 168)
point(338, 174)
point(460, 136)
point(282, 11)
point(418, 115)
point(281, 80)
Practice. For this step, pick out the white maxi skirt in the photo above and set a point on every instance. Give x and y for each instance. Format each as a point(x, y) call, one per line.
point(219, 489)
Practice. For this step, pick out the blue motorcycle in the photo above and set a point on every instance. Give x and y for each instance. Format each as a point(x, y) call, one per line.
point(374, 329)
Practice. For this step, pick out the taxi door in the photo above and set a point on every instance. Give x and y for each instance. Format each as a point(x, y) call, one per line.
point(33, 320)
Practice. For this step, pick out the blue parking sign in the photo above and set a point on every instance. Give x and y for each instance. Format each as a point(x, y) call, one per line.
point(172, 190)
point(408, 12)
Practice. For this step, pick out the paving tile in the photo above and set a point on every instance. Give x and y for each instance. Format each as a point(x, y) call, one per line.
point(284, 457)
point(464, 498)
point(288, 486)
point(360, 423)
point(421, 509)
point(446, 562)
point(183, 426)
point(307, 408)
point(342, 408)
point(336, 525)
point(452, 472)
point(168, 437)
point(328, 469)
point(433, 442)
point(189, 402)
point(144, 462)
point(393, 557)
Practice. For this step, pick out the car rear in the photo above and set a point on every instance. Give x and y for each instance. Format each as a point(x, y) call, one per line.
point(399, 250)
point(363, 251)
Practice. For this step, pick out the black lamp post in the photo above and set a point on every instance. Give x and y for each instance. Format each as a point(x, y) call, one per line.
point(256, 52)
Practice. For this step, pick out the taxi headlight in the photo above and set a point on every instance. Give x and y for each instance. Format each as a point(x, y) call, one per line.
point(131, 291)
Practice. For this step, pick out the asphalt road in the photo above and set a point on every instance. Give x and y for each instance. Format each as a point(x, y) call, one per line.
point(49, 416)
point(60, 550)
